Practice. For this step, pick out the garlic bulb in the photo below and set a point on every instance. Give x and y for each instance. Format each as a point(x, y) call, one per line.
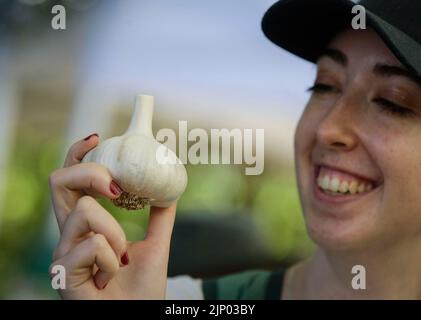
point(135, 161)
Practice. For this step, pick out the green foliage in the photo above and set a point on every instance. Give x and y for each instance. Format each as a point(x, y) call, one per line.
point(215, 188)
point(278, 214)
point(25, 207)
point(134, 223)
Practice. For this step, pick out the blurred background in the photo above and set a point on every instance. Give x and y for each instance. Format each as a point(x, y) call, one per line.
point(206, 62)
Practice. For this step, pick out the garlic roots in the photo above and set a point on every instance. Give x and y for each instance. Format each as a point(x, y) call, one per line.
point(135, 163)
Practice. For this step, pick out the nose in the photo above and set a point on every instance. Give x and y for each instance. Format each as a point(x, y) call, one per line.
point(336, 130)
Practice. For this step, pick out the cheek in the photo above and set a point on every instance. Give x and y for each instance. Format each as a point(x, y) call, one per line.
point(383, 147)
point(398, 153)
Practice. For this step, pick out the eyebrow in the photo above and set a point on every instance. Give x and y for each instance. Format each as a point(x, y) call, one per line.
point(385, 70)
point(336, 55)
point(382, 70)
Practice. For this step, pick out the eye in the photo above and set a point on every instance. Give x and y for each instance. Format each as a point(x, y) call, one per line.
point(393, 108)
point(322, 88)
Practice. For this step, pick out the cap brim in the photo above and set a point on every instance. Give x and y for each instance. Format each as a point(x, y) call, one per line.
point(305, 27)
point(406, 49)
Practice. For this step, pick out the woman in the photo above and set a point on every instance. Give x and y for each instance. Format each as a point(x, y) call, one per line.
point(358, 170)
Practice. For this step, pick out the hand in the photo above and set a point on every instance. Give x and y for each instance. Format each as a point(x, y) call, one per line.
point(99, 262)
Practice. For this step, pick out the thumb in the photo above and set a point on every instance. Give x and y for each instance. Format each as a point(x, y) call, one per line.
point(161, 223)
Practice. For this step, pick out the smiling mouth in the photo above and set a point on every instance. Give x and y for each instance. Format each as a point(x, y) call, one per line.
point(341, 185)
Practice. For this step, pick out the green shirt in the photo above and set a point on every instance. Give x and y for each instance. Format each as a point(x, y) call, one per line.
point(248, 285)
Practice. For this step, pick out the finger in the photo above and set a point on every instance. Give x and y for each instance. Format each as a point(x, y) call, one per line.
point(91, 177)
point(90, 216)
point(161, 223)
point(79, 261)
point(78, 150)
point(69, 184)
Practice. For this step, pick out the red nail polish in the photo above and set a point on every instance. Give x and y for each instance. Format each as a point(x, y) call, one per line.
point(115, 188)
point(90, 136)
point(125, 259)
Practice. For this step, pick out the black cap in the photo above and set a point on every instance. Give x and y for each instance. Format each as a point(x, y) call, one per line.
point(305, 27)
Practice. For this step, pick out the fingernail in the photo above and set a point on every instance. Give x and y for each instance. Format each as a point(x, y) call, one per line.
point(125, 259)
point(115, 188)
point(90, 136)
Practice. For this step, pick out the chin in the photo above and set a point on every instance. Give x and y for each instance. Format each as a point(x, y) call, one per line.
point(335, 234)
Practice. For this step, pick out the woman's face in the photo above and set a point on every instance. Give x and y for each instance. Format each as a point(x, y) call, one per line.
point(358, 147)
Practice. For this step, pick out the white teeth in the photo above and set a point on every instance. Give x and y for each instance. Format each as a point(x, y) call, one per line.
point(325, 183)
point(319, 181)
point(338, 187)
point(344, 187)
point(353, 186)
point(334, 185)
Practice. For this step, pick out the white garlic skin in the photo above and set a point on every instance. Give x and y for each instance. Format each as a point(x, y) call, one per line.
point(132, 161)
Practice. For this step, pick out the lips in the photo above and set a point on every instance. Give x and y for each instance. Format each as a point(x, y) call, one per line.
point(339, 183)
